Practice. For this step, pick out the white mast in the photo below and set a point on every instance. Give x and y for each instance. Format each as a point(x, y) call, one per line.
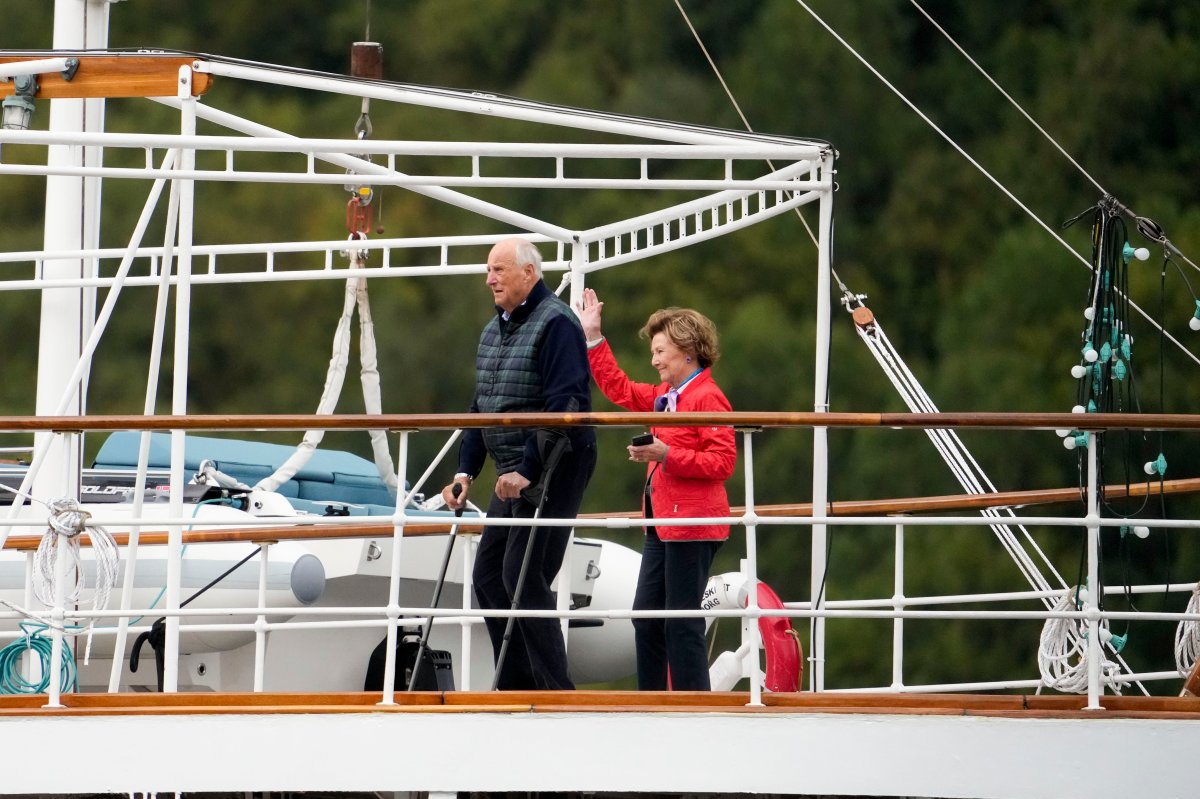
point(71, 223)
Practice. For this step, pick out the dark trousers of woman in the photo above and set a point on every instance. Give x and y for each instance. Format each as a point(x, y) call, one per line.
point(537, 655)
point(672, 577)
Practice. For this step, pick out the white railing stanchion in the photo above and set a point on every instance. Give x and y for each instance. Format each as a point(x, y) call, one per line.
point(32, 672)
point(393, 607)
point(468, 588)
point(179, 378)
point(260, 623)
point(58, 619)
point(1095, 654)
point(750, 621)
point(898, 622)
point(565, 574)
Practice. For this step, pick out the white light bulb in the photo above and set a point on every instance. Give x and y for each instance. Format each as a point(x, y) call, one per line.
point(1090, 355)
point(1082, 594)
point(1079, 409)
point(1069, 442)
point(1149, 467)
point(1078, 371)
point(1062, 433)
point(1142, 254)
point(1141, 531)
point(1194, 323)
point(1089, 313)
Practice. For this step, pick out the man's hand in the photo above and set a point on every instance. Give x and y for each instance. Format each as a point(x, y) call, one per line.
point(456, 501)
point(510, 485)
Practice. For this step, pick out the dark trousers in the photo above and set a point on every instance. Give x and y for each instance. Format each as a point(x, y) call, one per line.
point(537, 654)
point(672, 577)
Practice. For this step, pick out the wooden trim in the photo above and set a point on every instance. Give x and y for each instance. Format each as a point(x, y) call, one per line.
point(443, 421)
point(999, 499)
point(139, 75)
point(586, 701)
point(882, 507)
point(273, 533)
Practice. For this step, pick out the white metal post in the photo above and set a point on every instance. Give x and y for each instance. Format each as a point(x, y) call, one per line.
point(468, 629)
point(96, 38)
point(565, 575)
point(393, 608)
point(179, 384)
point(31, 673)
point(750, 632)
point(260, 624)
point(58, 617)
point(820, 487)
point(579, 259)
point(1094, 651)
point(153, 373)
point(898, 622)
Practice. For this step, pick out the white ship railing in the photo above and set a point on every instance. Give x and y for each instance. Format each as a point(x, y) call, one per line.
point(897, 608)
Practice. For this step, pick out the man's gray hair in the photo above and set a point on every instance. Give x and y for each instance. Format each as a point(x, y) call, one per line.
point(526, 253)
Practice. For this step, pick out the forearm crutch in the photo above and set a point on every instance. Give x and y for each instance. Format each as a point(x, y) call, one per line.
point(559, 445)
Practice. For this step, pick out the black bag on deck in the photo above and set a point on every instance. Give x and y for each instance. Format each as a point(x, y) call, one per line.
point(437, 669)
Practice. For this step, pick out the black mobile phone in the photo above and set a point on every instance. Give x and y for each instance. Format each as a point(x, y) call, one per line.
point(642, 440)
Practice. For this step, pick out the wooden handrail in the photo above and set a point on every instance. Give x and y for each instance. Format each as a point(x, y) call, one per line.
point(593, 701)
point(740, 419)
point(877, 507)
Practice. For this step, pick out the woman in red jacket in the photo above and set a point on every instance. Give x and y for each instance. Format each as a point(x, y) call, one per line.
point(686, 470)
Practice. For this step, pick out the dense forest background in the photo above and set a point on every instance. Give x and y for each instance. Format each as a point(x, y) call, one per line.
point(983, 304)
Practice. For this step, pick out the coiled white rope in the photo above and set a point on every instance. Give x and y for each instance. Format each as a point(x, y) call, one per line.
point(67, 520)
point(1063, 652)
point(1187, 637)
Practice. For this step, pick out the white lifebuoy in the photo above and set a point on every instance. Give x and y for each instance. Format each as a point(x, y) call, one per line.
point(780, 642)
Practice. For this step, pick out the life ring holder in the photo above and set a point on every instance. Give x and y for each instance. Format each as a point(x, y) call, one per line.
point(781, 643)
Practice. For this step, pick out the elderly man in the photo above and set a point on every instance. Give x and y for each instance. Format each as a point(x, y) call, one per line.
point(532, 357)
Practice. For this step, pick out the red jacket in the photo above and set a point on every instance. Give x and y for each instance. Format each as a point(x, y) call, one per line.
point(691, 482)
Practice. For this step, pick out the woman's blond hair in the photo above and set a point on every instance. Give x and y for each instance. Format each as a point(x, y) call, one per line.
point(690, 331)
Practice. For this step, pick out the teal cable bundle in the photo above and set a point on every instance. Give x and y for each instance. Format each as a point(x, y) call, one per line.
point(12, 681)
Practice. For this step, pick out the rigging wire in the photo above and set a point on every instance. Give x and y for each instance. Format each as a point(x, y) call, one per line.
point(1155, 234)
point(1008, 97)
point(995, 181)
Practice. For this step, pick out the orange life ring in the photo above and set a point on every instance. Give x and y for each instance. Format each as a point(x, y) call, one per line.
point(785, 655)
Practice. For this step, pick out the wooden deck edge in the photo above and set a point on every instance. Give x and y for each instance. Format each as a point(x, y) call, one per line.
point(991, 705)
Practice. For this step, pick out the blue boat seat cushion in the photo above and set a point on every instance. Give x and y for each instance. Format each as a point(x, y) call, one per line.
point(328, 476)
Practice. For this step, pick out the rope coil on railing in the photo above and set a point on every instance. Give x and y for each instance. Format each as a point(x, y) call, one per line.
point(1187, 637)
point(67, 520)
point(34, 644)
point(1063, 651)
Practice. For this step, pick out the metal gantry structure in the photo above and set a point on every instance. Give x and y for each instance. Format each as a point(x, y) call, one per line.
point(783, 174)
